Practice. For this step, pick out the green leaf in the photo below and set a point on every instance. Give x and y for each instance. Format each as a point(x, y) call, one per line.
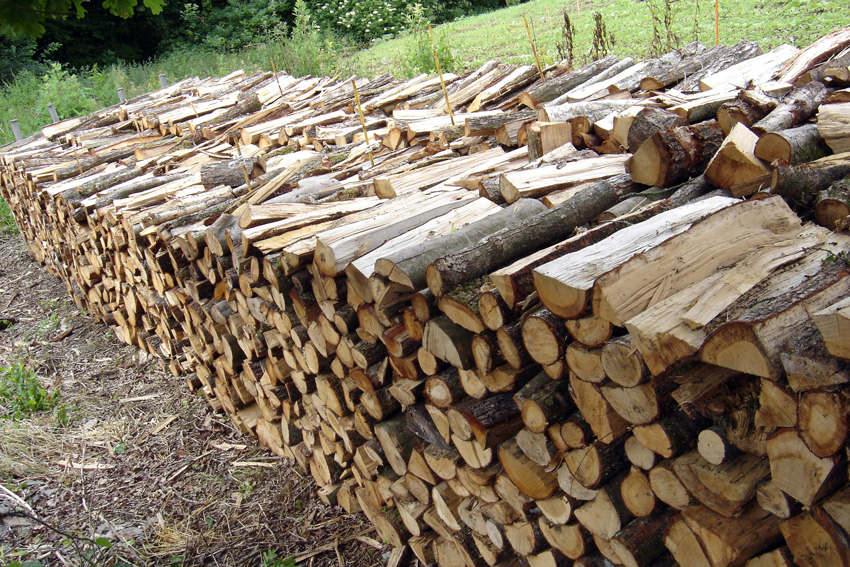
point(155, 5)
point(103, 542)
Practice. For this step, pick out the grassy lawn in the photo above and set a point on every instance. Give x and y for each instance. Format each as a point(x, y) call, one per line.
point(502, 35)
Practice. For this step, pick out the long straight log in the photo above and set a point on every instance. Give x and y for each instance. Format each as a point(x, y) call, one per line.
point(478, 258)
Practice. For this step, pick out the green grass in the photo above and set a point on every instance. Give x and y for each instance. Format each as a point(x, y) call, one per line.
point(7, 220)
point(502, 35)
point(474, 40)
point(21, 393)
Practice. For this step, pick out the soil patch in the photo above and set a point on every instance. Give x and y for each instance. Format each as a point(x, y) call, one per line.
point(130, 468)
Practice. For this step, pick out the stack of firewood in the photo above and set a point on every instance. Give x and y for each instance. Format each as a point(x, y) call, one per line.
point(587, 319)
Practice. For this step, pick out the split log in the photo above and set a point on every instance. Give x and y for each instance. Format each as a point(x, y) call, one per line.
point(798, 472)
point(564, 285)
point(761, 330)
point(749, 107)
point(735, 163)
point(603, 420)
point(834, 126)
point(814, 540)
point(724, 488)
point(731, 541)
point(529, 477)
point(515, 282)
point(543, 180)
point(833, 322)
point(798, 106)
point(606, 514)
point(670, 157)
point(702, 62)
point(650, 121)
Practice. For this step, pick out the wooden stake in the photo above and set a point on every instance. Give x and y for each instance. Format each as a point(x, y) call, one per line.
point(440, 73)
point(274, 70)
point(362, 121)
point(717, 22)
point(533, 48)
point(578, 8)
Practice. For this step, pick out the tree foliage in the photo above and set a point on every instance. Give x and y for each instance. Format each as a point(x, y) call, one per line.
point(27, 17)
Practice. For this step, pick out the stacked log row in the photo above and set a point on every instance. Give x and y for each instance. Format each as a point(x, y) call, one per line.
point(501, 337)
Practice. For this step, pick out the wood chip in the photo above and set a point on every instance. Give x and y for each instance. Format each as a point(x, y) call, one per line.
point(163, 424)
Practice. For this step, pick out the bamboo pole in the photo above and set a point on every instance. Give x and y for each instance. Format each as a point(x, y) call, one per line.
point(362, 121)
point(76, 157)
point(440, 73)
point(533, 48)
point(717, 22)
point(276, 78)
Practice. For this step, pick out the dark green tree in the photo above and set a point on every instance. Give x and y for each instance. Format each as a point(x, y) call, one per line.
point(27, 17)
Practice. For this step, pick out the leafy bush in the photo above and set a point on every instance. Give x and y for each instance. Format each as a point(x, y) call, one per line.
point(66, 92)
point(365, 20)
point(419, 54)
point(309, 49)
point(238, 23)
point(21, 393)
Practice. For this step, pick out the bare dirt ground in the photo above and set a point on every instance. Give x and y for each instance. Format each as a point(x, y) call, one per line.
point(129, 468)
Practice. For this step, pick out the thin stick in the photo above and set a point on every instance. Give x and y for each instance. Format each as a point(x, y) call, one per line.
point(79, 165)
point(440, 73)
point(193, 109)
point(274, 70)
point(578, 8)
point(533, 48)
point(362, 121)
point(247, 178)
point(717, 22)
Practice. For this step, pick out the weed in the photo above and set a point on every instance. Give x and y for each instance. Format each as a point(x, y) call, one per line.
point(21, 393)
point(662, 19)
point(834, 258)
point(566, 46)
point(63, 419)
point(7, 220)
point(603, 41)
point(271, 559)
point(309, 50)
point(48, 326)
point(50, 304)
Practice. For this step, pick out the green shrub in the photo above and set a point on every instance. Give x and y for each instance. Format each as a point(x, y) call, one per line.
point(21, 393)
point(309, 49)
point(365, 20)
point(419, 53)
